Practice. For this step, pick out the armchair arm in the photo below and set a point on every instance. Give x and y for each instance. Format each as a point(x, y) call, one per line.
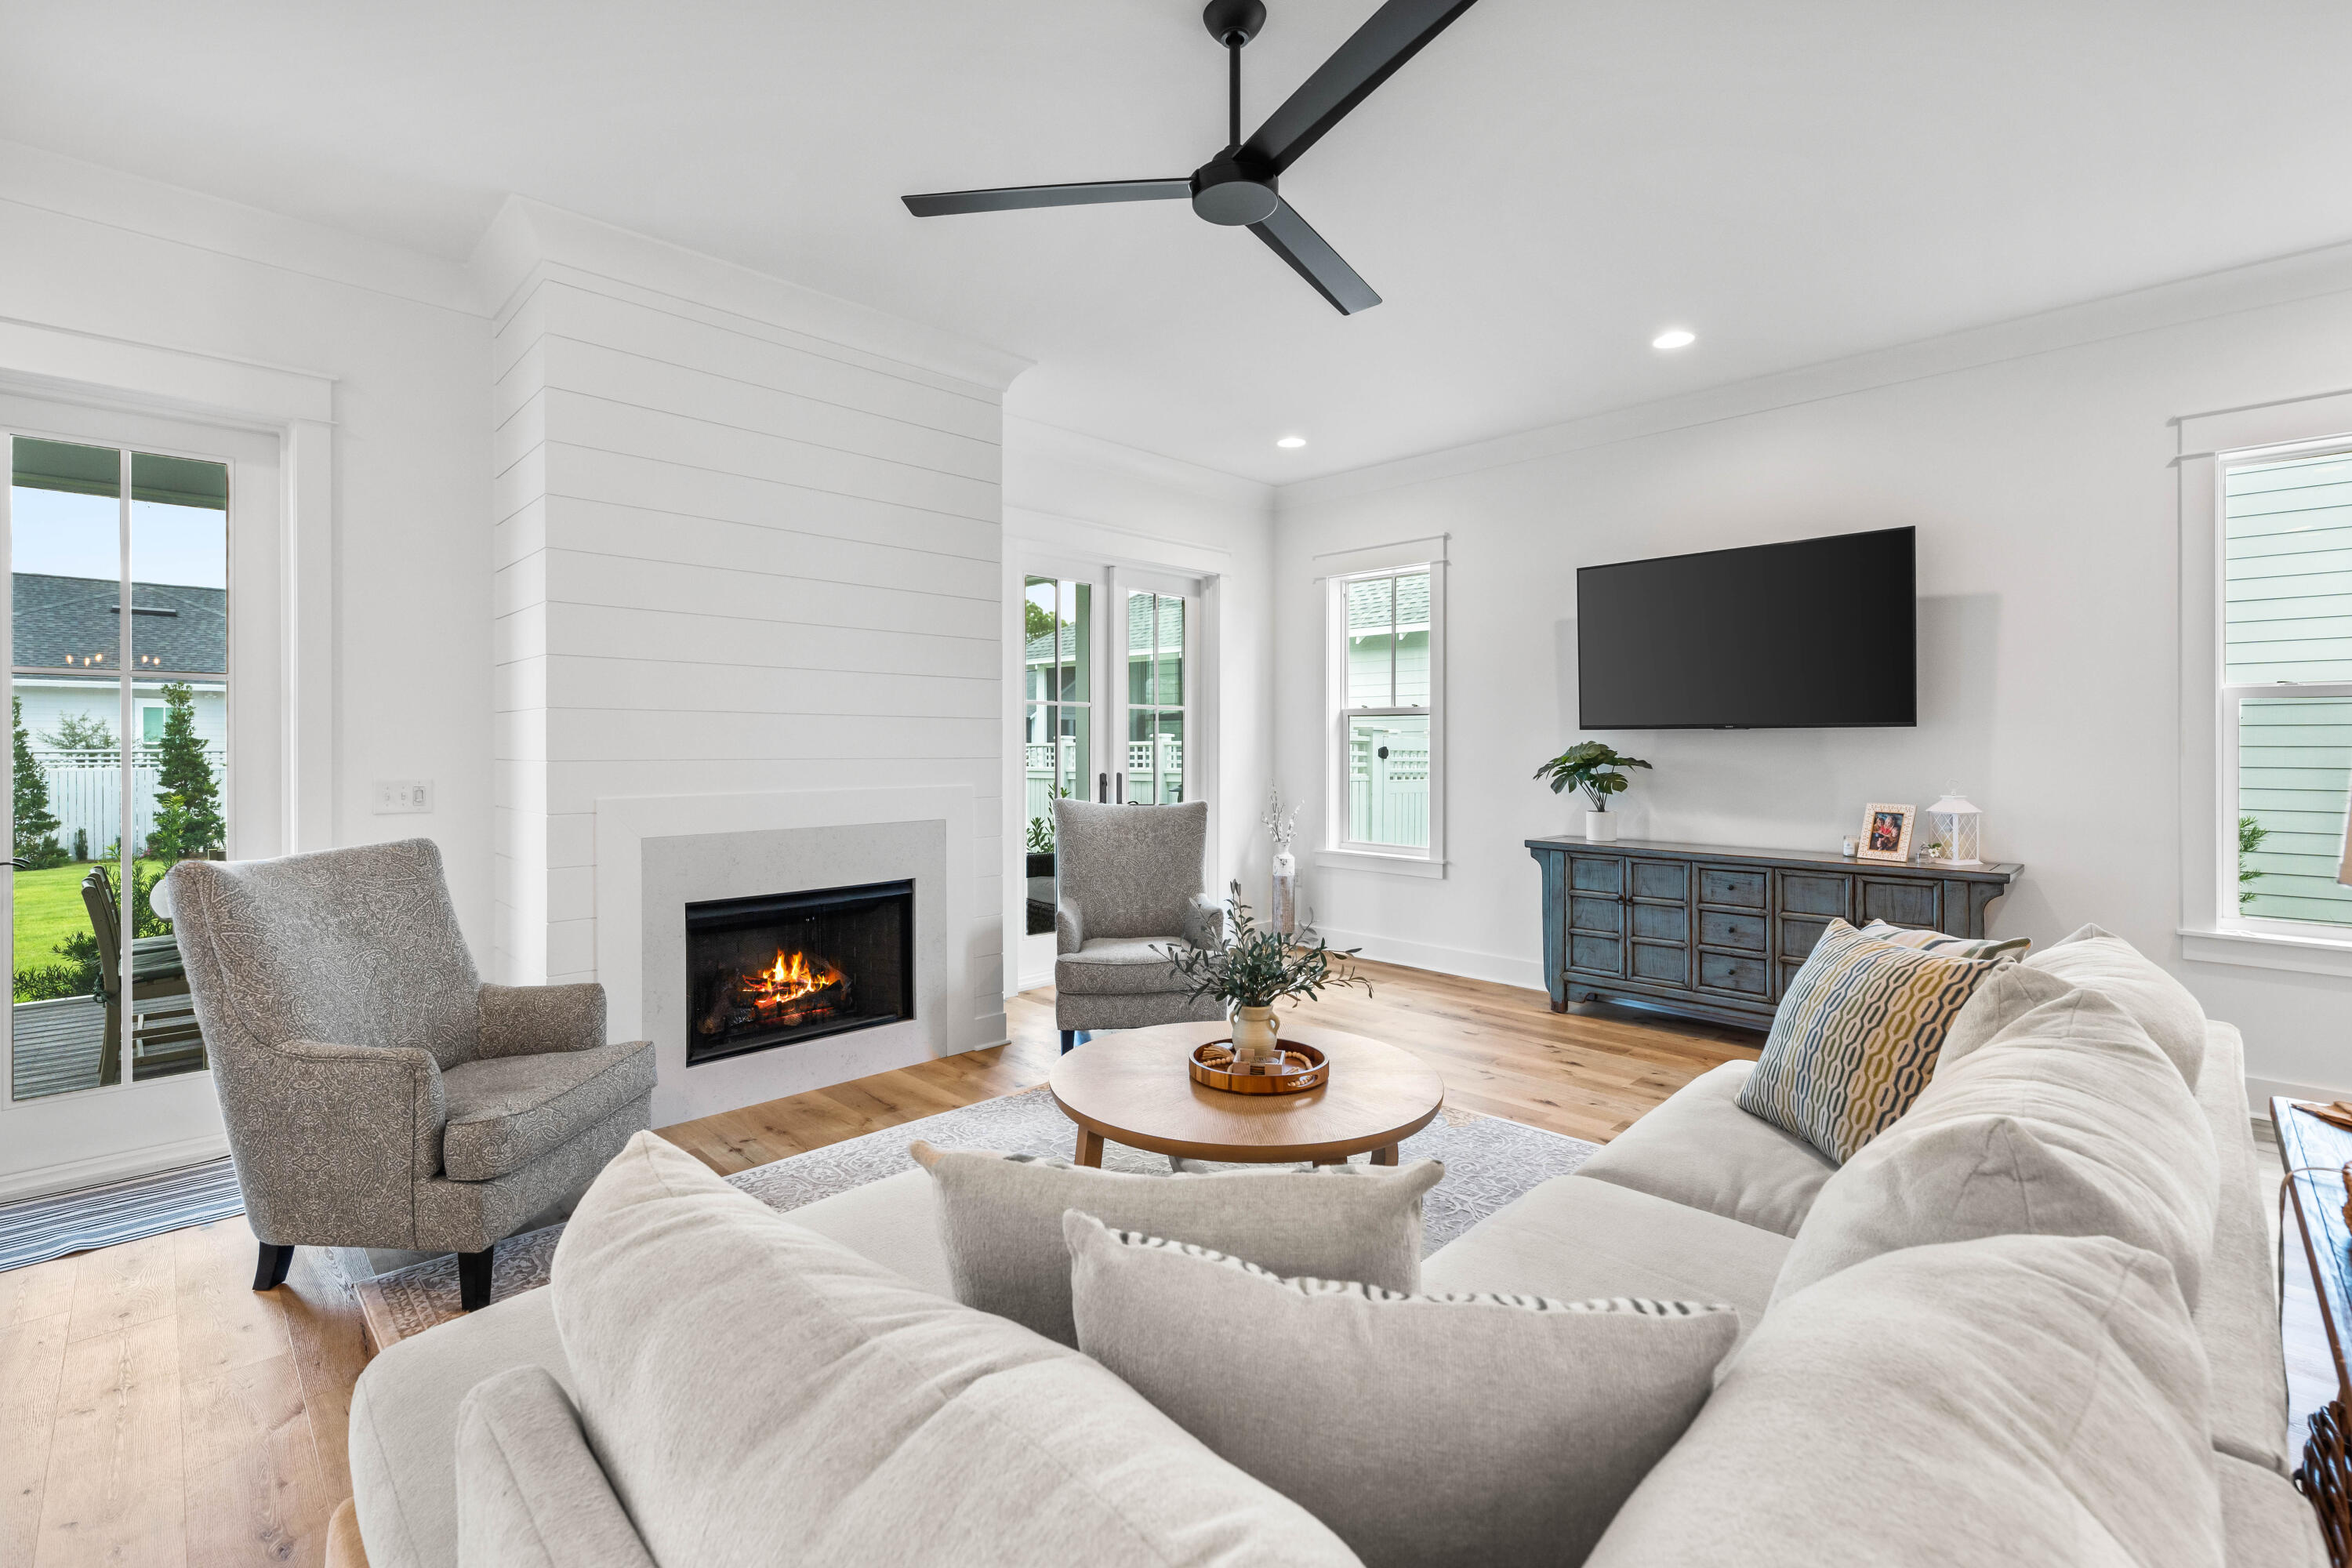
point(332, 1139)
point(1204, 922)
point(531, 1020)
point(1069, 927)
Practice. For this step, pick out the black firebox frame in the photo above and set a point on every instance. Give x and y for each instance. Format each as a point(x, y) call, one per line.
point(711, 916)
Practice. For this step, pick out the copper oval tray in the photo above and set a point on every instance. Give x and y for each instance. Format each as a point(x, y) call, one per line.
point(1291, 1077)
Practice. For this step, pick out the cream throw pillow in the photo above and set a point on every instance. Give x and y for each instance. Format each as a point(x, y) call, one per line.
point(2069, 1122)
point(1427, 1431)
point(1001, 1223)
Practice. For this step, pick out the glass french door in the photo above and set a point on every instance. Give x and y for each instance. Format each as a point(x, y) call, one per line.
point(1155, 698)
point(119, 765)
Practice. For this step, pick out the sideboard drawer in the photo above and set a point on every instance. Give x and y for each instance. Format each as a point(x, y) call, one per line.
point(1721, 885)
point(1661, 879)
point(1660, 963)
point(1596, 873)
point(1904, 903)
point(1596, 914)
point(1719, 929)
point(1798, 936)
point(1725, 972)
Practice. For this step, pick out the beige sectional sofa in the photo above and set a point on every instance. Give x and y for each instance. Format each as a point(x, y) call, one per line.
point(1699, 1201)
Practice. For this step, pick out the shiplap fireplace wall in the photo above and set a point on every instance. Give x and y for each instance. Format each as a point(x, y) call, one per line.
point(747, 540)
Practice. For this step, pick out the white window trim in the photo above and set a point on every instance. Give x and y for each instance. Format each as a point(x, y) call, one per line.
point(1338, 569)
point(2210, 930)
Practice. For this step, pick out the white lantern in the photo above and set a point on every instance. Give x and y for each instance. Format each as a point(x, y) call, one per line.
point(1957, 826)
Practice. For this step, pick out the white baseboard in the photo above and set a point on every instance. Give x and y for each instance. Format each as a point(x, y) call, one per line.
point(1470, 965)
point(2260, 1090)
point(99, 1169)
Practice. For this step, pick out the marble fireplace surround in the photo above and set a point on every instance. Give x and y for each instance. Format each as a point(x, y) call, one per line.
point(655, 854)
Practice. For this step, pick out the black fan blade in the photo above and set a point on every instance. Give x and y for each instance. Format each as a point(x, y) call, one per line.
point(940, 203)
point(1394, 34)
point(1289, 237)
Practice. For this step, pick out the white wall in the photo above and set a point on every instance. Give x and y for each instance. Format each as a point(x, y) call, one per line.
point(1073, 498)
point(93, 251)
point(748, 540)
point(2034, 462)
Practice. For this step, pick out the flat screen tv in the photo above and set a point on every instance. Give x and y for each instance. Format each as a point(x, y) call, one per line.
point(1817, 634)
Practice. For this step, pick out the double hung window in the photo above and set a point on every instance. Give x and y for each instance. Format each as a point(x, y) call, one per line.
point(1386, 731)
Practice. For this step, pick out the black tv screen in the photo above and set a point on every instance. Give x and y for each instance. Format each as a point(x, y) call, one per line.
point(1814, 633)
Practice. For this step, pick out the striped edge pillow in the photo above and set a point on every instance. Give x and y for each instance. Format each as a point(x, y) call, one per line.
point(1950, 946)
point(1857, 1038)
point(1379, 1295)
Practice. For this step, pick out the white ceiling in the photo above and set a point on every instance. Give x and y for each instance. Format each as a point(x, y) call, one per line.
point(1541, 191)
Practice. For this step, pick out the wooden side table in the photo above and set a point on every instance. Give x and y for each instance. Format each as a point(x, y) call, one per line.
point(1132, 1087)
point(2315, 1154)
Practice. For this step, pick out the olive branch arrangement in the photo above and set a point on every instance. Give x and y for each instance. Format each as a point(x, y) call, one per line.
point(1258, 966)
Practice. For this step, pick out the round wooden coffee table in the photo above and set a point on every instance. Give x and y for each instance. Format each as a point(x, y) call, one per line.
point(1131, 1088)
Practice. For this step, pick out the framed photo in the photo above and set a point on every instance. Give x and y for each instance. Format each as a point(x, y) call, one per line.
point(1885, 832)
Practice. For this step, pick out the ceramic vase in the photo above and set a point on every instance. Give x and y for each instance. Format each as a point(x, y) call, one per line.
point(1254, 1033)
point(1284, 910)
point(1599, 827)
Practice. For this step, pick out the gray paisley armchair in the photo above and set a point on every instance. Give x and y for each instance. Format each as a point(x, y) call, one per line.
point(377, 1093)
point(1129, 890)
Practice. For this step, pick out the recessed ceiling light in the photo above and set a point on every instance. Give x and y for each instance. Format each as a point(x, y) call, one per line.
point(1674, 338)
point(1291, 443)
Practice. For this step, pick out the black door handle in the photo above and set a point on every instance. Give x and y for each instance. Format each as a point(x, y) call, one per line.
point(1102, 789)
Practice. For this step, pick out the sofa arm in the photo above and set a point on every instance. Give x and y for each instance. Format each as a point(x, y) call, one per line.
point(332, 1139)
point(1069, 927)
point(531, 1020)
point(1204, 922)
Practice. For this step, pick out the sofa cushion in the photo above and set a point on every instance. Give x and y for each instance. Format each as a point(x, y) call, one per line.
point(894, 1222)
point(2070, 1122)
point(2021, 1399)
point(2267, 1523)
point(1121, 966)
point(2237, 1313)
point(1425, 1430)
point(1573, 1239)
point(2102, 960)
point(1855, 1038)
point(757, 1394)
point(1000, 1220)
point(2008, 994)
point(1699, 1148)
point(530, 1494)
point(404, 1425)
point(505, 1111)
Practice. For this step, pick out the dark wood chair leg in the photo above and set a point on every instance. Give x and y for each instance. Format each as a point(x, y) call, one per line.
point(269, 1273)
point(1069, 1041)
point(474, 1279)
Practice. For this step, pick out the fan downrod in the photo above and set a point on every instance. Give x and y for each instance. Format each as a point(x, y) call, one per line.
point(1234, 23)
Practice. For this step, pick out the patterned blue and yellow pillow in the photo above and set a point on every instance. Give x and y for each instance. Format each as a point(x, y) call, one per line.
point(1950, 946)
point(1857, 1038)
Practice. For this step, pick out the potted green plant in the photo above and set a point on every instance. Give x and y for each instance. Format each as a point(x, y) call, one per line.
point(1592, 767)
point(1258, 967)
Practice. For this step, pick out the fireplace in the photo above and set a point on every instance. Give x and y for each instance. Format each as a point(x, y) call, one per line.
point(787, 967)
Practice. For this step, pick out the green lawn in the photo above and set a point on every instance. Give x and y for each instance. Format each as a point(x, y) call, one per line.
point(48, 910)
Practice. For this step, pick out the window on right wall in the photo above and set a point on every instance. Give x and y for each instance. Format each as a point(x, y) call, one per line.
point(1386, 732)
point(2286, 691)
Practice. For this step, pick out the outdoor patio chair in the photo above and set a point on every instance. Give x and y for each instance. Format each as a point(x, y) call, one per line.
point(166, 1041)
point(377, 1093)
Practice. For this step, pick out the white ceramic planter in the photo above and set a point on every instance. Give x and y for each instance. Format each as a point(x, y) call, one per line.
point(1254, 1033)
point(1599, 827)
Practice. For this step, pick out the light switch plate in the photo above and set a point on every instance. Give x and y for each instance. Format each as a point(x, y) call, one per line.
point(396, 797)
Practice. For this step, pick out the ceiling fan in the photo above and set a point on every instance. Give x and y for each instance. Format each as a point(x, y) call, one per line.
point(1238, 186)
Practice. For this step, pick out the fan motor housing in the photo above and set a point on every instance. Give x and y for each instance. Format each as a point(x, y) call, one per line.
point(1227, 192)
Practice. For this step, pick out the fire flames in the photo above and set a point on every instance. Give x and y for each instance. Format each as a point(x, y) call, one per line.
point(773, 991)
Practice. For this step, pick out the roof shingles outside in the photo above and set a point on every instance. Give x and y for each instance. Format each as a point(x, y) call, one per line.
point(68, 622)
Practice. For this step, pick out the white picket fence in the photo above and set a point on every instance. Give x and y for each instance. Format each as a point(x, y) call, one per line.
point(86, 792)
point(1167, 751)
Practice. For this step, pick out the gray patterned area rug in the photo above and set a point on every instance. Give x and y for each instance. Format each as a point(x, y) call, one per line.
point(1489, 1160)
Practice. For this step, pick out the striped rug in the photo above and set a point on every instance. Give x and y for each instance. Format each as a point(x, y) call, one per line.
point(37, 1229)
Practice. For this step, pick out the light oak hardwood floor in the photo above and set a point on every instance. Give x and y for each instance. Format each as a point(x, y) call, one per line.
point(155, 1411)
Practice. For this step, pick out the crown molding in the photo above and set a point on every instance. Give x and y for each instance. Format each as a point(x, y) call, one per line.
point(1034, 440)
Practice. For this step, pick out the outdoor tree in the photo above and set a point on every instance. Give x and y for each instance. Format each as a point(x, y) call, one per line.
point(37, 827)
point(188, 817)
point(81, 732)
